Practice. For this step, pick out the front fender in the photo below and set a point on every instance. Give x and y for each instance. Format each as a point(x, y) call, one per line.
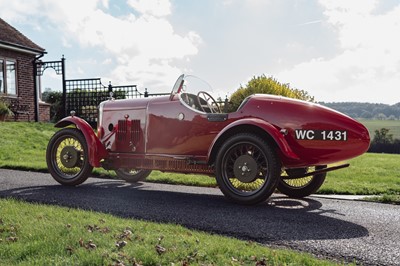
point(96, 150)
point(266, 127)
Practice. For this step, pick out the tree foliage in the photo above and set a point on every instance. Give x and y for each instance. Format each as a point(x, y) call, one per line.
point(382, 136)
point(383, 142)
point(378, 111)
point(266, 85)
point(57, 107)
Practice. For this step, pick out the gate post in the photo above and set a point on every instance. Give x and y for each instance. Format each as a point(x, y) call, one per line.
point(64, 86)
point(36, 62)
point(109, 88)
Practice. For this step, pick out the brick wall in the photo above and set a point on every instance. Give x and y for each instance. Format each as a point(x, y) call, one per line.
point(44, 112)
point(25, 80)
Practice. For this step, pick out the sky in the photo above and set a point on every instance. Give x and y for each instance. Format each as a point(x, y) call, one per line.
point(336, 50)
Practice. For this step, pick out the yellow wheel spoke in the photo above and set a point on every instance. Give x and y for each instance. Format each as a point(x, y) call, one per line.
point(247, 187)
point(72, 142)
point(298, 182)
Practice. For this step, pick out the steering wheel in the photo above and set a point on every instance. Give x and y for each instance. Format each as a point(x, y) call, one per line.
point(211, 103)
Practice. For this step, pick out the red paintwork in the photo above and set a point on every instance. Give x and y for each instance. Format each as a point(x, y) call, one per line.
point(295, 114)
point(96, 150)
point(164, 133)
point(264, 125)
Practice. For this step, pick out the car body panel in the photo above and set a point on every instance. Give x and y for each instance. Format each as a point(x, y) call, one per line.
point(294, 115)
point(272, 131)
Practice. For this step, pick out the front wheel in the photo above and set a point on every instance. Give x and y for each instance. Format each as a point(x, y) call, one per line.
point(247, 169)
point(303, 186)
point(132, 175)
point(67, 157)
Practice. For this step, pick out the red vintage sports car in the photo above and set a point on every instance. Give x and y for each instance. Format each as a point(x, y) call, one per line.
point(268, 143)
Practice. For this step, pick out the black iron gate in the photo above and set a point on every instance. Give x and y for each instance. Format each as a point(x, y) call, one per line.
point(84, 95)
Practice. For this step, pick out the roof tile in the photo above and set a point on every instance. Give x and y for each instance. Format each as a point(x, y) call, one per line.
point(11, 36)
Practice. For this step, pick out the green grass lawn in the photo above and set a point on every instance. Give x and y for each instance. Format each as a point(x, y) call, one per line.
point(23, 145)
point(33, 234)
point(369, 174)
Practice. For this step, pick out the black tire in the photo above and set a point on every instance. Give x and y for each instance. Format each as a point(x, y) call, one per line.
point(67, 157)
point(235, 164)
point(132, 175)
point(303, 186)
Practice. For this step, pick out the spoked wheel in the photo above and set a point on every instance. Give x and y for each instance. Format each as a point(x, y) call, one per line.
point(132, 175)
point(247, 169)
point(303, 186)
point(67, 157)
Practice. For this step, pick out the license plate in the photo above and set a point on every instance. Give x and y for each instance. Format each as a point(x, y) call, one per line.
point(328, 135)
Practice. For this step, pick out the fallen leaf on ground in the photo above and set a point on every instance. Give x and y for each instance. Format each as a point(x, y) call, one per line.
point(126, 234)
point(12, 238)
point(160, 250)
point(121, 244)
point(91, 245)
point(262, 262)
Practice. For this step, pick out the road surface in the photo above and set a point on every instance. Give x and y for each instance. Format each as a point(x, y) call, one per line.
point(368, 233)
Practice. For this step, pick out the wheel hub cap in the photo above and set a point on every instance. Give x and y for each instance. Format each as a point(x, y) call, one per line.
point(69, 157)
point(245, 168)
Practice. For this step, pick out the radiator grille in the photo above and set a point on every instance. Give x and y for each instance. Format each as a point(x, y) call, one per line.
point(128, 134)
point(135, 131)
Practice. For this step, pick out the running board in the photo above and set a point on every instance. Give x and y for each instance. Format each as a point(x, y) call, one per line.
point(320, 171)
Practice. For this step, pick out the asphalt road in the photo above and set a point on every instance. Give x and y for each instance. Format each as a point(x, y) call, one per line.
point(368, 233)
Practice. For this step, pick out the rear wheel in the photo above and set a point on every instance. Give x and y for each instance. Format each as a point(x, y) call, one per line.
point(132, 175)
point(303, 186)
point(247, 169)
point(67, 157)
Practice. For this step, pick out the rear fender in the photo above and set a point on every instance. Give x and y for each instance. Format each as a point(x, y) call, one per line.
point(96, 150)
point(238, 126)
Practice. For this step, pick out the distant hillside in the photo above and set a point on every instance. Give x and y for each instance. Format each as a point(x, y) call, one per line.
point(392, 125)
point(376, 111)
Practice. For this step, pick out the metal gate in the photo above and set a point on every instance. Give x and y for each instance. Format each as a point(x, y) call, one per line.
point(84, 95)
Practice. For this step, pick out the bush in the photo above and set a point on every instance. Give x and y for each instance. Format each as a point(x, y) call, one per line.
point(266, 85)
point(57, 107)
point(391, 148)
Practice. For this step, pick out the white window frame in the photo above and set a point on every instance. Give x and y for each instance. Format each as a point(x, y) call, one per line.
point(4, 90)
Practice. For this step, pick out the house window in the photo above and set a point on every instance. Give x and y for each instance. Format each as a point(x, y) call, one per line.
point(1, 77)
point(8, 77)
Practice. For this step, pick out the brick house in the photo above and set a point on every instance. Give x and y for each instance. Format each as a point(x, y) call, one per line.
point(19, 84)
